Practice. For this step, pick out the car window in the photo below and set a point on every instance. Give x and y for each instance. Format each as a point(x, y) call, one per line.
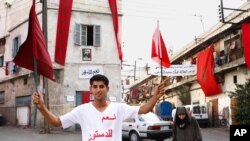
point(129, 120)
point(150, 117)
point(203, 109)
point(196, 110)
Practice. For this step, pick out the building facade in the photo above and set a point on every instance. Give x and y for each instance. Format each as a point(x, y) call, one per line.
point(94, 51)
point(230, 67)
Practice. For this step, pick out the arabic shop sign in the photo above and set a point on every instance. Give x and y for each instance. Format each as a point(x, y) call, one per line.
point(174, 70)
point(86, 72)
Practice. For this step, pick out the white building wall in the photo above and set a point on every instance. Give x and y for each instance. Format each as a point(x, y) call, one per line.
point(197, 95)
point(89, 13)
point(83, 12)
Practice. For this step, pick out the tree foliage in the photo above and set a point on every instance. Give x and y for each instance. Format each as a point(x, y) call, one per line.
point(242, 94)
point(184, 94)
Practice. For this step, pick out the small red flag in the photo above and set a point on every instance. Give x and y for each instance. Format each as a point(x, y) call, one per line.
point(113, 8)
point(35, 47)
point(134, 93)
point(205, 76)
point(7, 71)
point(159, 53)
point(246, 42)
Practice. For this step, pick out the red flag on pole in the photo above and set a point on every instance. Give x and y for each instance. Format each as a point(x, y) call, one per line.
point(246, 42)
point(7, 71)
point(113, 8)
point(159, 53)
point(205, 76)
point(35, 47)
point(134, 93)
point(64, 15)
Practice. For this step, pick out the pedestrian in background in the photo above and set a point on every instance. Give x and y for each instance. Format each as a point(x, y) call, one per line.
point(100, 120)
point(185, 127)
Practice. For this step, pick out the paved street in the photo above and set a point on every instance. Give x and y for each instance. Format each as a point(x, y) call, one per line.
point(8, 133)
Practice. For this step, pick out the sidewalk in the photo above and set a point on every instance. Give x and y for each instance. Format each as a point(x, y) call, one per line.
point(9, 133)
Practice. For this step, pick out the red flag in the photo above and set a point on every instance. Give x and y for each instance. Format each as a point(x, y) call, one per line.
point(134, 93)
point(113, 8)
point(64, 15)
point(7, 71)
point(34, 47)
point(159, 53)
point(246, 42)
point(205, 76)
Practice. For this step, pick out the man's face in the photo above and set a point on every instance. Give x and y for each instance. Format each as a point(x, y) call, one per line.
point(99, 90)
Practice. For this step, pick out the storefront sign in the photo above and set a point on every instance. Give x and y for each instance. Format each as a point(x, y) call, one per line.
point(88, 71)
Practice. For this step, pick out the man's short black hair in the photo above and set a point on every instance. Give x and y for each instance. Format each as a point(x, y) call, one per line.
point(99, 77)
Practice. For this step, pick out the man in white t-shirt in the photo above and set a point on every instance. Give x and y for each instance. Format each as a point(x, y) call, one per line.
point(100, 120)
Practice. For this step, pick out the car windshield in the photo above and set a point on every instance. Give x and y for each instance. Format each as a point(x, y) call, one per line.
point(149, 117)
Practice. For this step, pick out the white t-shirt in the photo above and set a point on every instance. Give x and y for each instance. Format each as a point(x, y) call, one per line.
point(100, 126)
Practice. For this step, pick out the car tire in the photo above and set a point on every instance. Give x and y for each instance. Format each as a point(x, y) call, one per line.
point(133, 136)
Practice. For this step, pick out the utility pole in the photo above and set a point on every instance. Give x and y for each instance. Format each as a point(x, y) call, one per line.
point(45, 80)
point(135, 71)
point(221, 12)
point(201, 19)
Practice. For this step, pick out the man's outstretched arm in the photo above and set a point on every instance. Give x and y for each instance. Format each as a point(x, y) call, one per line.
point(151, 103)
point(38, 100)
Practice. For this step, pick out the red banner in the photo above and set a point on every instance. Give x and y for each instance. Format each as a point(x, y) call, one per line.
point(246, 43)
point(64, 14)
point(205, 76)
point(113, 8)
point(34, 47)
point(159, 53)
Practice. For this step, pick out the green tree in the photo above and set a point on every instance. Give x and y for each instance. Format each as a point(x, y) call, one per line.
point(242, 94)
point(184, 94)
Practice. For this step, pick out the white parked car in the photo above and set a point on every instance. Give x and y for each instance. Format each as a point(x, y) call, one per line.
point(148, 126)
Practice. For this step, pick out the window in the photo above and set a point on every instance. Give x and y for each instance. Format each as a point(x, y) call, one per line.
point(16, 44)
point(23, 101)
point(203, 109)
point(1, 97)
point(87, 35)
point(235, 79)
point(25, 81)
point(196, 110)
point(129, 120)
point(1, 61)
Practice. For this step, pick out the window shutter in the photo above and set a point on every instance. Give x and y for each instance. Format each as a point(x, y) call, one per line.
point(1, 61)
point(14, 47)
point(77, 34)
point(97, 36)
point(18, 41)
point(84, 35)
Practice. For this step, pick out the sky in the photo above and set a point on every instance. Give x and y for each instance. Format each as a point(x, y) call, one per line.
point(180, 22)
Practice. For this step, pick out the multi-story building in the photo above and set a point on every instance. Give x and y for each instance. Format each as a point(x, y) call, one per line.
point(71, 87)
point(230, 67)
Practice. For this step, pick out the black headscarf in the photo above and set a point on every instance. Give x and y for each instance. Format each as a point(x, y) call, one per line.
point(182, 123)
